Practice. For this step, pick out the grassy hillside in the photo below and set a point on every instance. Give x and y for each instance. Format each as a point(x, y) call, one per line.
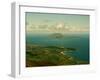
point(49, 56)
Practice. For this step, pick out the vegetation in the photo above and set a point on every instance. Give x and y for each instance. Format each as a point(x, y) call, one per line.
point(49, 56)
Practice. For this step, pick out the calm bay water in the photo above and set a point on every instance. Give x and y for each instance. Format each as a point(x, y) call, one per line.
point(78, 41)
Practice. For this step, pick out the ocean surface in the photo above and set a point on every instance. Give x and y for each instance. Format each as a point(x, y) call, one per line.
point(78, 41)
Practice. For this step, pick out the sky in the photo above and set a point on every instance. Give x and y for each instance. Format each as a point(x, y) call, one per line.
point(49, 22)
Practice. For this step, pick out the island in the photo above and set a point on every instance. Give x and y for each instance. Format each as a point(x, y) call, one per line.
point(56, 35)
point(37, 55)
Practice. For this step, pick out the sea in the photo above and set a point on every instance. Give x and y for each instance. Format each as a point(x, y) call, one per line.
point(79, 41)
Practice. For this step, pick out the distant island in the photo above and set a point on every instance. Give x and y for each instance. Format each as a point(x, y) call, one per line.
point(56, 35)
